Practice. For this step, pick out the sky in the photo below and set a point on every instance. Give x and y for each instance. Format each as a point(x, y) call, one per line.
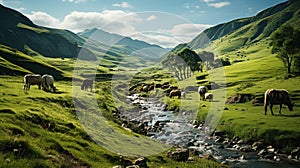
point(163, 22)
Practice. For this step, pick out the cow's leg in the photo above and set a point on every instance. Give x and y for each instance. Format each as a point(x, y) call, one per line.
point(266, 110)
point(280, 106)
point(39, 85)
point(271, 106)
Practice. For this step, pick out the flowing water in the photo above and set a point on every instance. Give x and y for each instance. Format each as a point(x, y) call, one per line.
point(178, 130)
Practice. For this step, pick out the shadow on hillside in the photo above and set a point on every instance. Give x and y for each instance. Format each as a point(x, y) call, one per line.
point(57, 92)
point(286, 115)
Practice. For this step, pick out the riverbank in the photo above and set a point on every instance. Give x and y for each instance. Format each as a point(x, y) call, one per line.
point(155, 120)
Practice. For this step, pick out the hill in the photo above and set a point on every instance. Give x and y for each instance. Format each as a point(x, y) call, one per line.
point(129, 45)
point(245, 31)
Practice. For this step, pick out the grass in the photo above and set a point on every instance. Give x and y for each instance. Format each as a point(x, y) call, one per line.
point(258, 71)
point(41, 129)
point(36, 29)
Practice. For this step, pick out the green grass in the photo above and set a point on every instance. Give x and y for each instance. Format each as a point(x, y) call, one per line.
point(258, 71)
point(41, 129)
point(37, 30)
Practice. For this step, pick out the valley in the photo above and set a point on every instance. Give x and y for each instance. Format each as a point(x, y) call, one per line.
point(102, 128)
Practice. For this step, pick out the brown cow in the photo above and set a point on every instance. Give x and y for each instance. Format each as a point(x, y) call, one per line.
point(277, 97)
point(175, 93)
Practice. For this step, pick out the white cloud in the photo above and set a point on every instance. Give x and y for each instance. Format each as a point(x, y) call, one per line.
point(188, 31)
point(207, 1)
point(152, 17)
point(181, 33)
point(114, 21)
point(43, 19)
point(1, 2)
point(163, 40)
point(123, 23)
point(219, 4)
point(122, 5)
point(75, 1)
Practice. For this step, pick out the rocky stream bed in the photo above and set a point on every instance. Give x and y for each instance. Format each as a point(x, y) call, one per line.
point(156, 121)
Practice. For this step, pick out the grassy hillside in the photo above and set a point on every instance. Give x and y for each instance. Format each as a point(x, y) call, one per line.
point(41, 129)
point(254, 70)
point(247, 30)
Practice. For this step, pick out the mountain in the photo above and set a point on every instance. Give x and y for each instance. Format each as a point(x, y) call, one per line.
point(247, 30)
point(130, 45)
point(18, 32)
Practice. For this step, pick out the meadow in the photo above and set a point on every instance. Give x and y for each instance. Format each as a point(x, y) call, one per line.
point(46, 129)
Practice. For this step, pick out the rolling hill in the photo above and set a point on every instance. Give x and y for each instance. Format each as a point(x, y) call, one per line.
point(245, 31)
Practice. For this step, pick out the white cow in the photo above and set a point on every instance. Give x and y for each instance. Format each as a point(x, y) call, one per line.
point(202, 90)
point(48, 83)
point(208, 96)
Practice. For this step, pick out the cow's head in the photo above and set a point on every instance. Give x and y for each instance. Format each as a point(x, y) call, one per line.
point(290, 107)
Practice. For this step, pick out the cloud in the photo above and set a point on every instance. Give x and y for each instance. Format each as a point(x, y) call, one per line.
point(75, 1)
point(218, 4)
point(124, 23)
point(207, 1)
point(122, 5)
point(114, 21)
point(187, 31)
point(169, 38)
point(43, 19)
point(152, 17)
point(163, 40)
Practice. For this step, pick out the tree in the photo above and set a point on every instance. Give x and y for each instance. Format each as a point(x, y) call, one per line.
point(285, 43)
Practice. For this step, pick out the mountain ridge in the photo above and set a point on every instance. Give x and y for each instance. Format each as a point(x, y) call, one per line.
point(256, 27)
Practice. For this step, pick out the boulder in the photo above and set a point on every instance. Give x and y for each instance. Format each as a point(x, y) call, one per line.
point(180, 154)
point(295, 151)
point(239, 98)
point(257, 101)
point(141, 162)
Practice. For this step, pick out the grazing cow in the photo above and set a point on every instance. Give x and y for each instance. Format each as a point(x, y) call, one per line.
point(87, 83)
point(47, 83)
point(277, 97)
point(183, 94)
point(202, 90)
point(208, 96)
point(144, 88)
point(165, 86)
point(32, 79)
point(175, 93)
point(158, 85)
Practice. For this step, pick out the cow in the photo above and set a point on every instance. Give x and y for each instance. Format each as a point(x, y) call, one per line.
point(32, 79)
point(175, 93)
point(87, 83)
point(202, 90)
point(183, 94)
point(48, 83)
point(208, 96)
point(277, 97)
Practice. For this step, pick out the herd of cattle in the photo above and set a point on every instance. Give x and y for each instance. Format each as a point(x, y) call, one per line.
point(171, 91)
point(271, 97)
point(46, 82)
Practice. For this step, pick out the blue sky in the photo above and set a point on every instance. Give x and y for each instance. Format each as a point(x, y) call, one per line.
point(163, 22)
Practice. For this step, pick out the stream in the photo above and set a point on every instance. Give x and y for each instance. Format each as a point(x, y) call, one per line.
point(177, 130)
